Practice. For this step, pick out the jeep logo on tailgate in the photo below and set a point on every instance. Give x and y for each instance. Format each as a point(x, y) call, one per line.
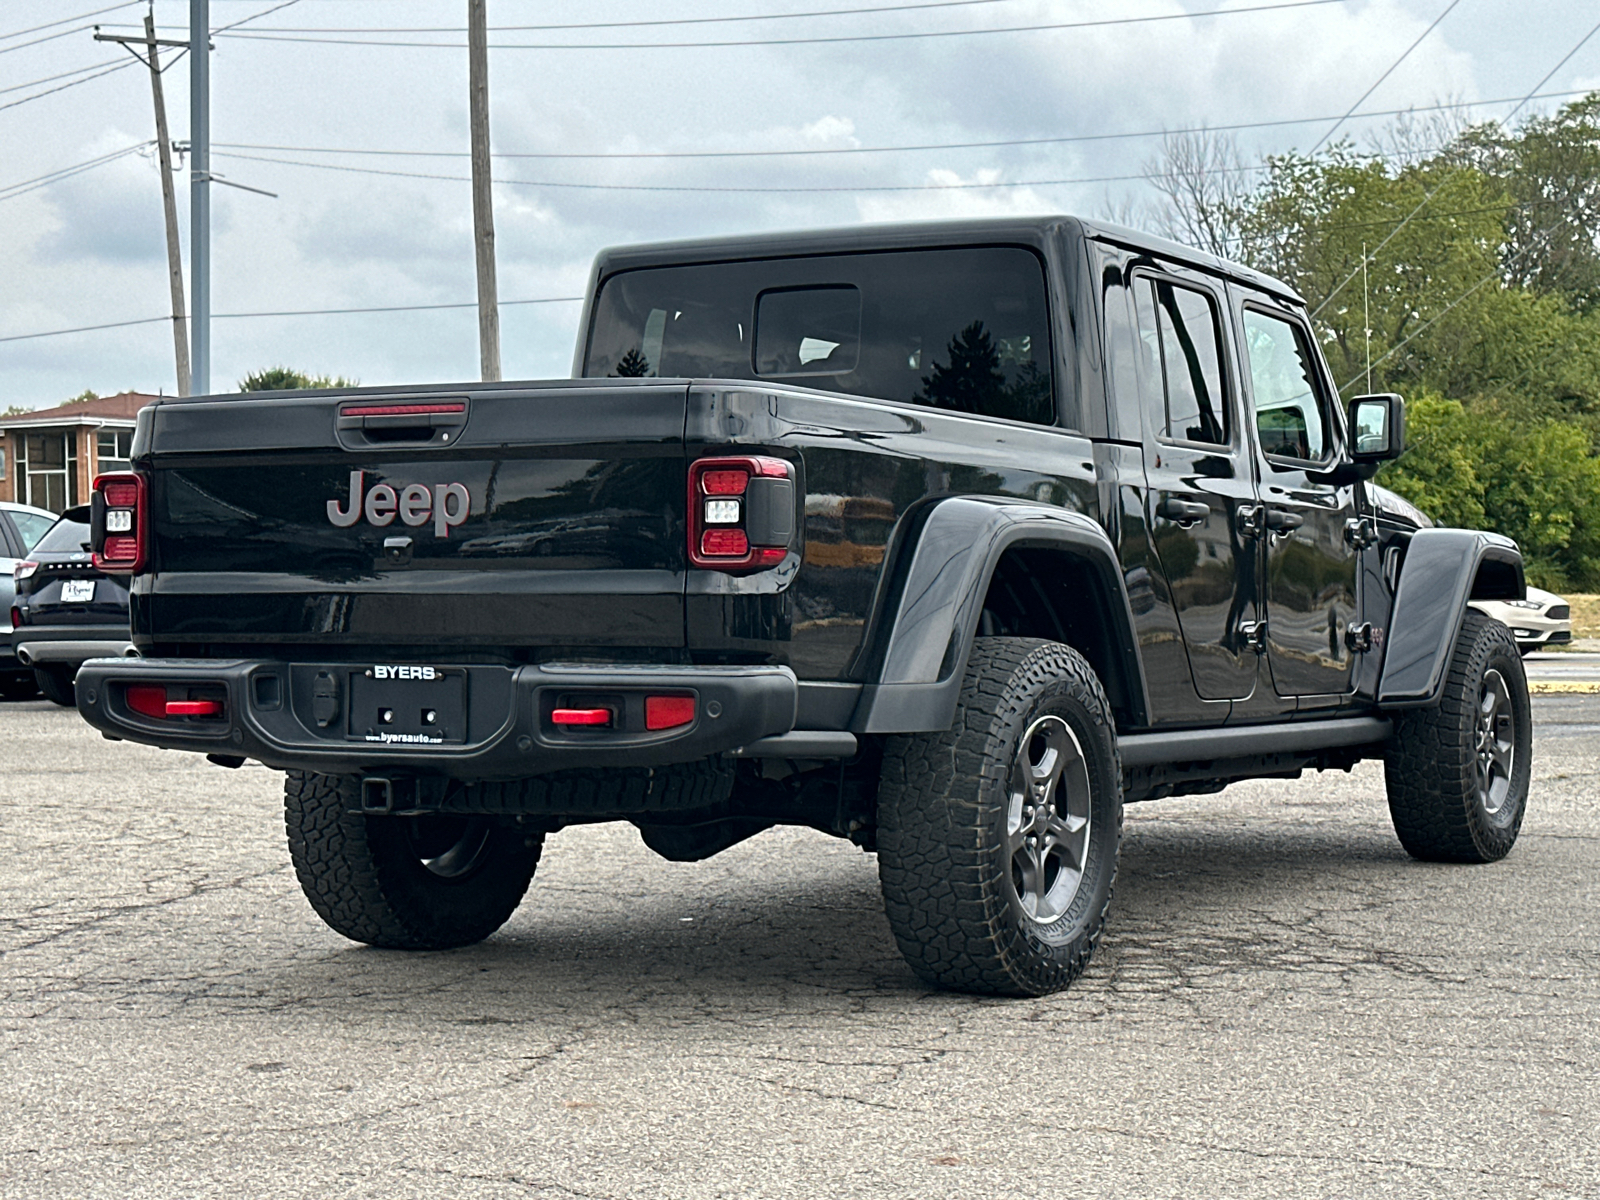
point(415, 505)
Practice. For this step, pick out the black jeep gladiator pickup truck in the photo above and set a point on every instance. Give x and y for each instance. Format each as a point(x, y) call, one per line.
point(948, 539)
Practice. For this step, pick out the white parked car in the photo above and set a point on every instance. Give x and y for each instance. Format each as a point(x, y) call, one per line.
point(1543, 619)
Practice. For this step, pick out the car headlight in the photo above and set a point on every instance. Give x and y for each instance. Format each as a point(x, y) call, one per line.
point(1524, 603)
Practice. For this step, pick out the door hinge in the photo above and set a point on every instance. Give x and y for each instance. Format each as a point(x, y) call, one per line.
point(1361, 532)
point(1359, 637)
point(1254, 634)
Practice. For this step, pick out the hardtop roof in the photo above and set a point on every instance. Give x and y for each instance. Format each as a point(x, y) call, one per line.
point(912, 235)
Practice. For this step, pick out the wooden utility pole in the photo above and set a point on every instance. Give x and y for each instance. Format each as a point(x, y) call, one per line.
point(482, 195)
point(180, 333)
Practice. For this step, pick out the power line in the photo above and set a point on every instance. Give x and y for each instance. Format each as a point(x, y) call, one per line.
point(1392, 68)
point(649, 187)
point(1328, 299)
point(303, 312)
point(917, 148)
point(833, 12)
point(68, 20)
point(801, 41)
point(63, 87)
point(11, 190)
point(17, 87)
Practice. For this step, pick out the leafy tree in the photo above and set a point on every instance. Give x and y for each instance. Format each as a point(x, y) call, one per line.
point(83, 397)
point(972, 380)
point(282, 379)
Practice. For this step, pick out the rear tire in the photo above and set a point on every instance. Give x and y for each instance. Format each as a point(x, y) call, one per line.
point(998, 839)
point(1458, 773)
point(404, 883)
point(56, 684)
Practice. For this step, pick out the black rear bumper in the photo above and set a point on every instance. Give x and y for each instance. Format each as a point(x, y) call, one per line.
point(280, 714)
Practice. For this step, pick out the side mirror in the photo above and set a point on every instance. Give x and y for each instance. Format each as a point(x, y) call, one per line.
point(1377, 428)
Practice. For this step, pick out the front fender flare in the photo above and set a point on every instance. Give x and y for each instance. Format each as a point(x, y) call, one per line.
point(928, 623)
point(1441, 569)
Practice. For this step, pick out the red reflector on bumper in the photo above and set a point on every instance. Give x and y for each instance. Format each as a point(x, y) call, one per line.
point(581, 716)
point(147, 699)
point(667, 712)
point(193, 708)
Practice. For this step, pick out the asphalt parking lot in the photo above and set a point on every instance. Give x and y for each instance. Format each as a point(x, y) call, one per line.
point(1285, 1005)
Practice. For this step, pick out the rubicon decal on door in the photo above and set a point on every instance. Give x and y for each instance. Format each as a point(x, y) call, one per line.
point(446, 505)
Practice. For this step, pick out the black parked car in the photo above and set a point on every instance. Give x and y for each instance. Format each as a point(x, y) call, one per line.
point(21, 525)
point(65, 611)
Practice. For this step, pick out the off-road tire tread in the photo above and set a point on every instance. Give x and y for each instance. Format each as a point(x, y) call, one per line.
point(948, 910)
point(360, 888)
point(1430, 768)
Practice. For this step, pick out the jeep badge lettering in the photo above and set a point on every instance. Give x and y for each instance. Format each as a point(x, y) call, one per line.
point(414, 504)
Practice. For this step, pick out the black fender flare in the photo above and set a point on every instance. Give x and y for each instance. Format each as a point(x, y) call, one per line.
point(928, 615)
point(1443, 569)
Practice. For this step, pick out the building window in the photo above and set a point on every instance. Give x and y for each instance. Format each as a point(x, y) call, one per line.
point(112, 448)
point(49, 470)
point(2, 464)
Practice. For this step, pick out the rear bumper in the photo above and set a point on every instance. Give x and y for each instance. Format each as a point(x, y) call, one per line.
point(271, 713)
point(70, 645)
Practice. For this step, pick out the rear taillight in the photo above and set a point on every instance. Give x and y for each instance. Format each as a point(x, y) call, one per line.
point(154, 700)
point(741, 513)
point(25, 570)
point(119, 522)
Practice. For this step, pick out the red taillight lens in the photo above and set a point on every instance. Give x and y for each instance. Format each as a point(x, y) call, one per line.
point(147, 699)
point(581, 716)
point(16, 617)
point(668, 712)
point(751, 532)
point(119, 525)
point(120, 495)
point(150, 700)
point(724, 543)
point(724, 483)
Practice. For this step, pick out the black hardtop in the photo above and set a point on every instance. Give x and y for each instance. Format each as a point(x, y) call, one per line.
point(1037, 232)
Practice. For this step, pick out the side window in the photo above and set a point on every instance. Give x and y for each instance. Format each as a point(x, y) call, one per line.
point(1291, 420)
point(1182, 348)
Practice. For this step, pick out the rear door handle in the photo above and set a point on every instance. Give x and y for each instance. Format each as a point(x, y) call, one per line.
point(1184, 512)
point(1280, 521)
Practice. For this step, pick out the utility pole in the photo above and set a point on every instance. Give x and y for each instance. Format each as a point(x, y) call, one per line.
point(180, 335)
point(200, 188)
point(482, 196)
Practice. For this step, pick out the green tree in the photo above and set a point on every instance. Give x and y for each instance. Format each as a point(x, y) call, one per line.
point(283, 379)
point(972, 380)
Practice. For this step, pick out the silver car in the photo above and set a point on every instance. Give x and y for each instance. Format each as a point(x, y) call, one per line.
point(21, 527)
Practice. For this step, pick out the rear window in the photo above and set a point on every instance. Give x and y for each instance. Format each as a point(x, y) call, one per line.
point(64, 537)
point(966, 330)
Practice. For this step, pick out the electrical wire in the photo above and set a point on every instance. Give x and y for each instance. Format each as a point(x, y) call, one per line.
point(17, 87)
point(798, 41)
point(303, 312)
point(1392, 68)
point(651, 187)
point(68, 20)
point(63, 87)
point(918, 148)
point(9, 191)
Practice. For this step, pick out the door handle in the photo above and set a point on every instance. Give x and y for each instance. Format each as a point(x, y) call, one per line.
point(1184, 512)
point(1279, 521)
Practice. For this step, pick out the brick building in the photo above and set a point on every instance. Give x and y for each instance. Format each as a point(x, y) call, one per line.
point(49, 457)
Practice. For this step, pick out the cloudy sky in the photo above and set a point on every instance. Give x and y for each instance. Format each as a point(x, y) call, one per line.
point(308, 86)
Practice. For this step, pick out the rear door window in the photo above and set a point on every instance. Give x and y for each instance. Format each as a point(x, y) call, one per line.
point(1182, 344)
point(963, 329)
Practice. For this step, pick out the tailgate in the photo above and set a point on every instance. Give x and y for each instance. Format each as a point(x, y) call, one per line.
point(523, 516)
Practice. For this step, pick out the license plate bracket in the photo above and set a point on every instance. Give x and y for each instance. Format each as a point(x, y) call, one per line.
point(77, 591)
point(408, 705)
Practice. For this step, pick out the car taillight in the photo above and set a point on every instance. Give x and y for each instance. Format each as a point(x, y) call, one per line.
point(152, 700)
point(25, 570)
point(741, 513)
point(119, 522)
